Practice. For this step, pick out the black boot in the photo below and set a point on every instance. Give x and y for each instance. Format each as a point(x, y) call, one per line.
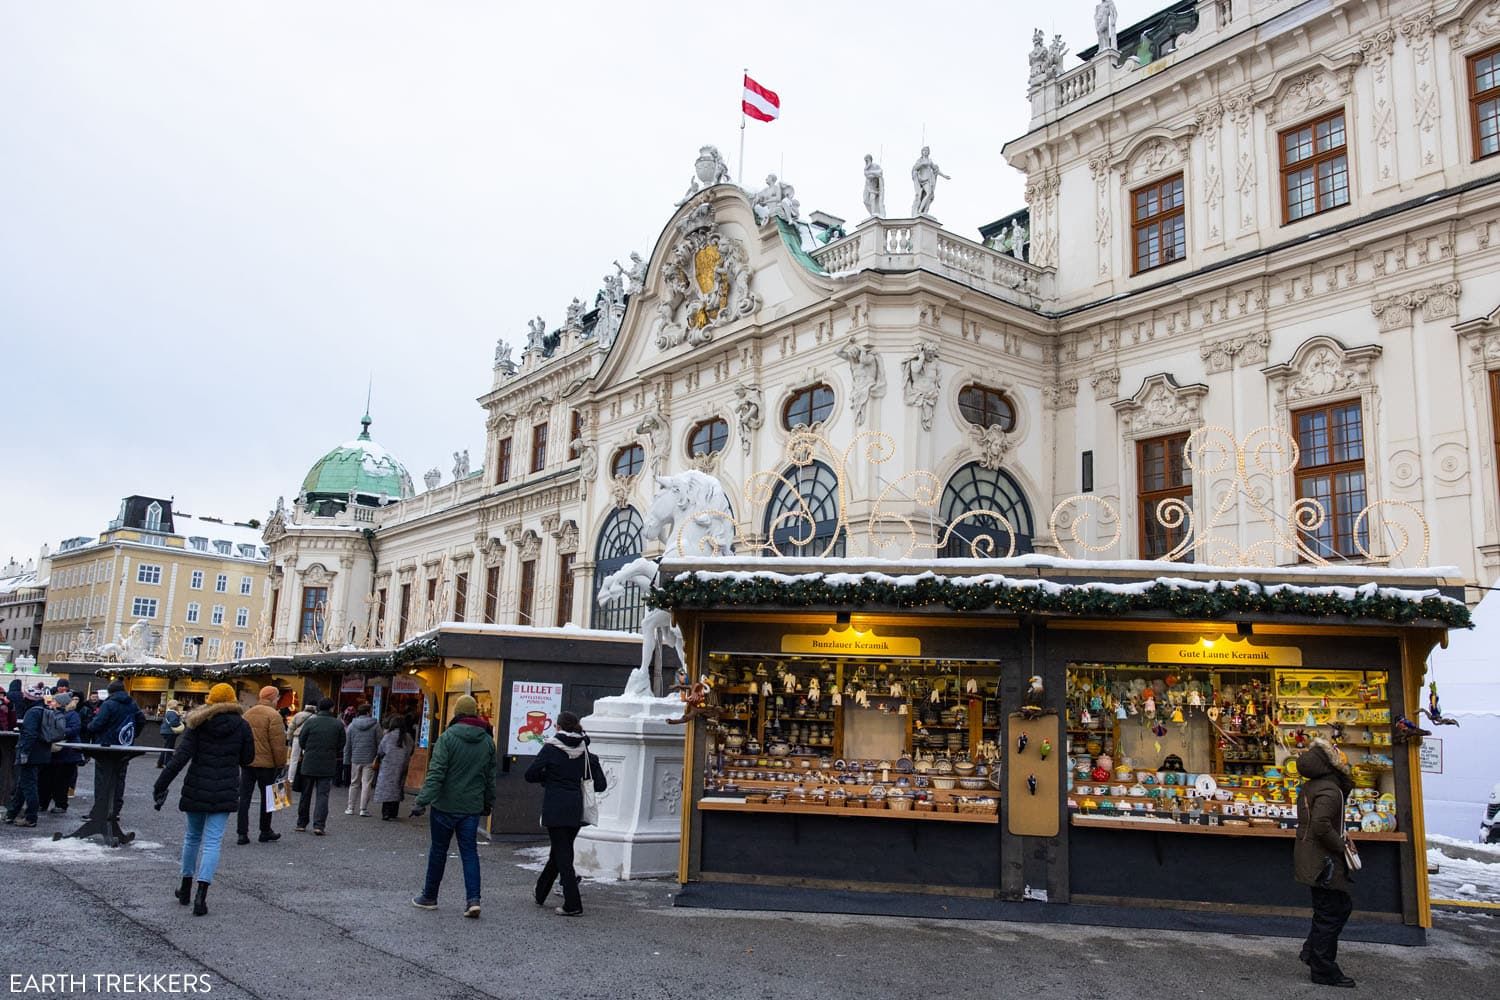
point(200, 901)
point(184, 892)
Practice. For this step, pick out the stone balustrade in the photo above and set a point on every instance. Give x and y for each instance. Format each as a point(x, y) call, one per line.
point(921, 244)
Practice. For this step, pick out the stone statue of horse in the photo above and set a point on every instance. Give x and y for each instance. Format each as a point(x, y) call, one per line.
point(690, 515)
point(656, 627)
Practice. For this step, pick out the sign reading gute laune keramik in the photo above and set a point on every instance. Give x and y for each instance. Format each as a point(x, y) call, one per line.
point(1224, 651)
point(852, 642)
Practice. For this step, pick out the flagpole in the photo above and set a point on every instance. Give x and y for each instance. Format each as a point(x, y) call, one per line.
point(741, 178)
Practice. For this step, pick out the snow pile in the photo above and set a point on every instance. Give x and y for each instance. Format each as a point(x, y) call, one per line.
point(1464, 879)
point(66, 851)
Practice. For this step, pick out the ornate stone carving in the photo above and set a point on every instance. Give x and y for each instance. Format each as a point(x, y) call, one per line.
point(1306, 93)
point(635, 274)
point(1061, 394)
point(654, 429)
point(540, 409)
point(992, 443)
point(588, 458)
point(1154, 157)
point(502, 356)
point(536, 334)
point(1160, 405)
point(620, 488)
point(432, 477)
point(1322, 367)
point(574, 317)
point(500, 423)
point(921, 379)
point(709, 169)
point(749, 403)
point(1106, 383)
point(1099, 170)
point(1376, 49)
point(867, 374)
point(1221, 355)
point(552, 524)
point(567, 538)
point(705, 282)
point(777, 200)
point(1438, 301)
point(1481, 24)
point(317, 575)
point(529, 546)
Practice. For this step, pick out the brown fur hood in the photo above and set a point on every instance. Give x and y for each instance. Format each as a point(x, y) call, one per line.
point(1320, 758)
point(203, 713)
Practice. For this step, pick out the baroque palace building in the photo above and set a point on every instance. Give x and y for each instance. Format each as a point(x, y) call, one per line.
point(1250, 314)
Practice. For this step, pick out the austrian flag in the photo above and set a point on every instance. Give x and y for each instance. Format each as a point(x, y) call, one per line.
point(759, 103)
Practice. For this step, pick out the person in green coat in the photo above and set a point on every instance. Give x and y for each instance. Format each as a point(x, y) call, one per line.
point(460, 788)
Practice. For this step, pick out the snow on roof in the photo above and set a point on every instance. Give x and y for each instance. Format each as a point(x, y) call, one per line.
point(11, 584)
point(569, 631)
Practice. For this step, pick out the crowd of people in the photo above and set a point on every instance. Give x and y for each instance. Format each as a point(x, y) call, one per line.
point(226, 751)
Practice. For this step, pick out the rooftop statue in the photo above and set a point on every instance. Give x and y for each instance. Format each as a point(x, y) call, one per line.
point(536, 333)
point(1105, 18)
point(709, 169)
point(874, 188)
point(776, 199)
point(924, 175)
point(635, 274)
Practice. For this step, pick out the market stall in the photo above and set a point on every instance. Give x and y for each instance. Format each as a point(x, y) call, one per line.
point(1099, 736)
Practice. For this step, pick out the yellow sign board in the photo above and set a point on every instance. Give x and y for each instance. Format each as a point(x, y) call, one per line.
point(852, 642)
point(1224, 651)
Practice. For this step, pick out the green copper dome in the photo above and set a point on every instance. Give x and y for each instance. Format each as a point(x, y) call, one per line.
point(360, 467)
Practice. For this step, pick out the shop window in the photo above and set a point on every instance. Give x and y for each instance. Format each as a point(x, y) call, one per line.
point(314, 610)
point(491, 594)
point(974, 489)
point(403, 612)
point(1331, 471)
point(1314, 167)
point(502, 464)
point(1162, 474)
point(527, 603)
point(1158, 224)
point(564, 589)
point(539, 447)
point(802, 518)
point(986, 407)
point(460, 596)
point(708, 437)
point(809, 406)
point(620, 541)
point(628, 461)
point(1484, 102)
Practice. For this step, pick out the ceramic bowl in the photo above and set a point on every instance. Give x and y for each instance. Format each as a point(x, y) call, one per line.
point(964, 769)
point(973, 784)
point(944, 781)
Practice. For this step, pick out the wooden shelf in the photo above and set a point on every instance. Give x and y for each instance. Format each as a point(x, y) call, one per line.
point(1157, 826)
point(721, 805)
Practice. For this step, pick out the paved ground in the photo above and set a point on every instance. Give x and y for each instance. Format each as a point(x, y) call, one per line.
point(310, 918)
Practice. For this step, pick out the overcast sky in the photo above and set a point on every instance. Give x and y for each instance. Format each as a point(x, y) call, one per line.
point(219, 220)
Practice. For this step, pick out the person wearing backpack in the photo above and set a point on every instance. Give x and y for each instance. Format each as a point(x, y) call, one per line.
point(117, 723)
point(61, 775)
point(41, 727)
point(171, 728)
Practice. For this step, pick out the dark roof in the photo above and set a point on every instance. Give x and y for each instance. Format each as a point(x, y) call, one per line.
point(1166, 23)
point(133, 513)
point(991, 229)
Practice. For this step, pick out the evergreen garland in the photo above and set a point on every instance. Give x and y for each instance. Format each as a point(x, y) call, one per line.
point(1210, 600)
point(389, 661)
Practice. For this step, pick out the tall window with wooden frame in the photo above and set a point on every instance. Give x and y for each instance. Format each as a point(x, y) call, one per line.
point(403, 612)
point(1161, 474)
point(380, 614)
point(430, 608)
point(1484, 102)
point(539, 447)
point(528, 593)
point(575, 434)
point(491, 594)
point(314, 614)
point(564, 588)
point(460, 596)
point(502, 462)
point(1314, 167)
point(1158, 224)
point(1331, 471)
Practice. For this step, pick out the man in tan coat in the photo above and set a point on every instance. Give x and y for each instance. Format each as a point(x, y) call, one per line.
point(270, 757)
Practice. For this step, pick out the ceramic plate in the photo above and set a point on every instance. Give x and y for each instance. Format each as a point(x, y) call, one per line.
point(1206, 786)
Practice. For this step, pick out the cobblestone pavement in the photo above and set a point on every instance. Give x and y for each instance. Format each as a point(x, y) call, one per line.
point(331, 917)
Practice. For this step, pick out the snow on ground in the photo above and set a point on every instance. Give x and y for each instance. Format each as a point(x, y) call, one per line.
point(1463, 878)
point(1472, 847)
point(69, 851)
point(536, 860)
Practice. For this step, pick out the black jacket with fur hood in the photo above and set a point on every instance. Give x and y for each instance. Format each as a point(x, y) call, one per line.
point(213, 748)
point(1319, 854)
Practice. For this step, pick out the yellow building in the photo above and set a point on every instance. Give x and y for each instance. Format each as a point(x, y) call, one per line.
point(169, 584)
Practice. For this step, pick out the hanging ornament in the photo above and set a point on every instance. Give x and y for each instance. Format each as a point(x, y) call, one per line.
point(1086, 719)
point(1177, 715)
point(1120, 710)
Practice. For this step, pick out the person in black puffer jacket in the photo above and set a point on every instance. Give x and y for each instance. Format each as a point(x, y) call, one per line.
point(559, 769)
point(216, 744)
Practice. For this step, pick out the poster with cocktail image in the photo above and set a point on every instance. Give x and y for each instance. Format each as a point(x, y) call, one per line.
point(534, 708)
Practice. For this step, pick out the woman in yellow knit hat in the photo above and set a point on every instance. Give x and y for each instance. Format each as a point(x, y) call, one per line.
point(213, 748)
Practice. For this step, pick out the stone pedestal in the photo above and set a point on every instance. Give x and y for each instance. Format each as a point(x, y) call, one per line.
point(640, 816)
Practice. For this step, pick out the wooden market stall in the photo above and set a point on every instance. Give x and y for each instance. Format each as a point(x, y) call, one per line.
point(1116, 743)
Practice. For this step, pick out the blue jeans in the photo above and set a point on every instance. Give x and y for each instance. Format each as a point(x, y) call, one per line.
point(24, 798)
point(444, 826)
point(200, 844)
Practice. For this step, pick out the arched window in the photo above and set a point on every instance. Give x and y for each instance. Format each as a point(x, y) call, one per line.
point(976, 488)
point(809, 492)
point(619, 543)
point(708, 437)
point(153, 517)
point(628, 461)
point(986, 407)
point(807, 406)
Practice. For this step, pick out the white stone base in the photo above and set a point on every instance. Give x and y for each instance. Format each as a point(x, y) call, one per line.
point(640, 815)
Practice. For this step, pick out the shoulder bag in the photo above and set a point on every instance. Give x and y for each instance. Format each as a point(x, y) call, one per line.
point(590, 797)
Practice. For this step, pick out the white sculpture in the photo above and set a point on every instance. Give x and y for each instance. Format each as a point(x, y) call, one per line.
point(536, 333)
point(920, 380)
point(502, 355)
point(775, 200)
point(588, 454)
point(709, 169)
point(867, 374)
point(460, 464)
point(748, 403)
point(635, 274)
point(690, 516)
point(874, 188)
point(924, 175)
point(134, 648)
point(693, 300)
point(654, 426)
point(1040, 61)
point(656, 628)
point(1058, 50)
point(575, 313)
point(432, 477)
point(1105, 18)
point(1018, 240)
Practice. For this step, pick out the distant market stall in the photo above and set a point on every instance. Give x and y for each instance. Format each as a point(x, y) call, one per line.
point(1114, 739)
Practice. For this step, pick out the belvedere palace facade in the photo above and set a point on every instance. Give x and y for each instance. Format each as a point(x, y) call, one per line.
point(1264, 224)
